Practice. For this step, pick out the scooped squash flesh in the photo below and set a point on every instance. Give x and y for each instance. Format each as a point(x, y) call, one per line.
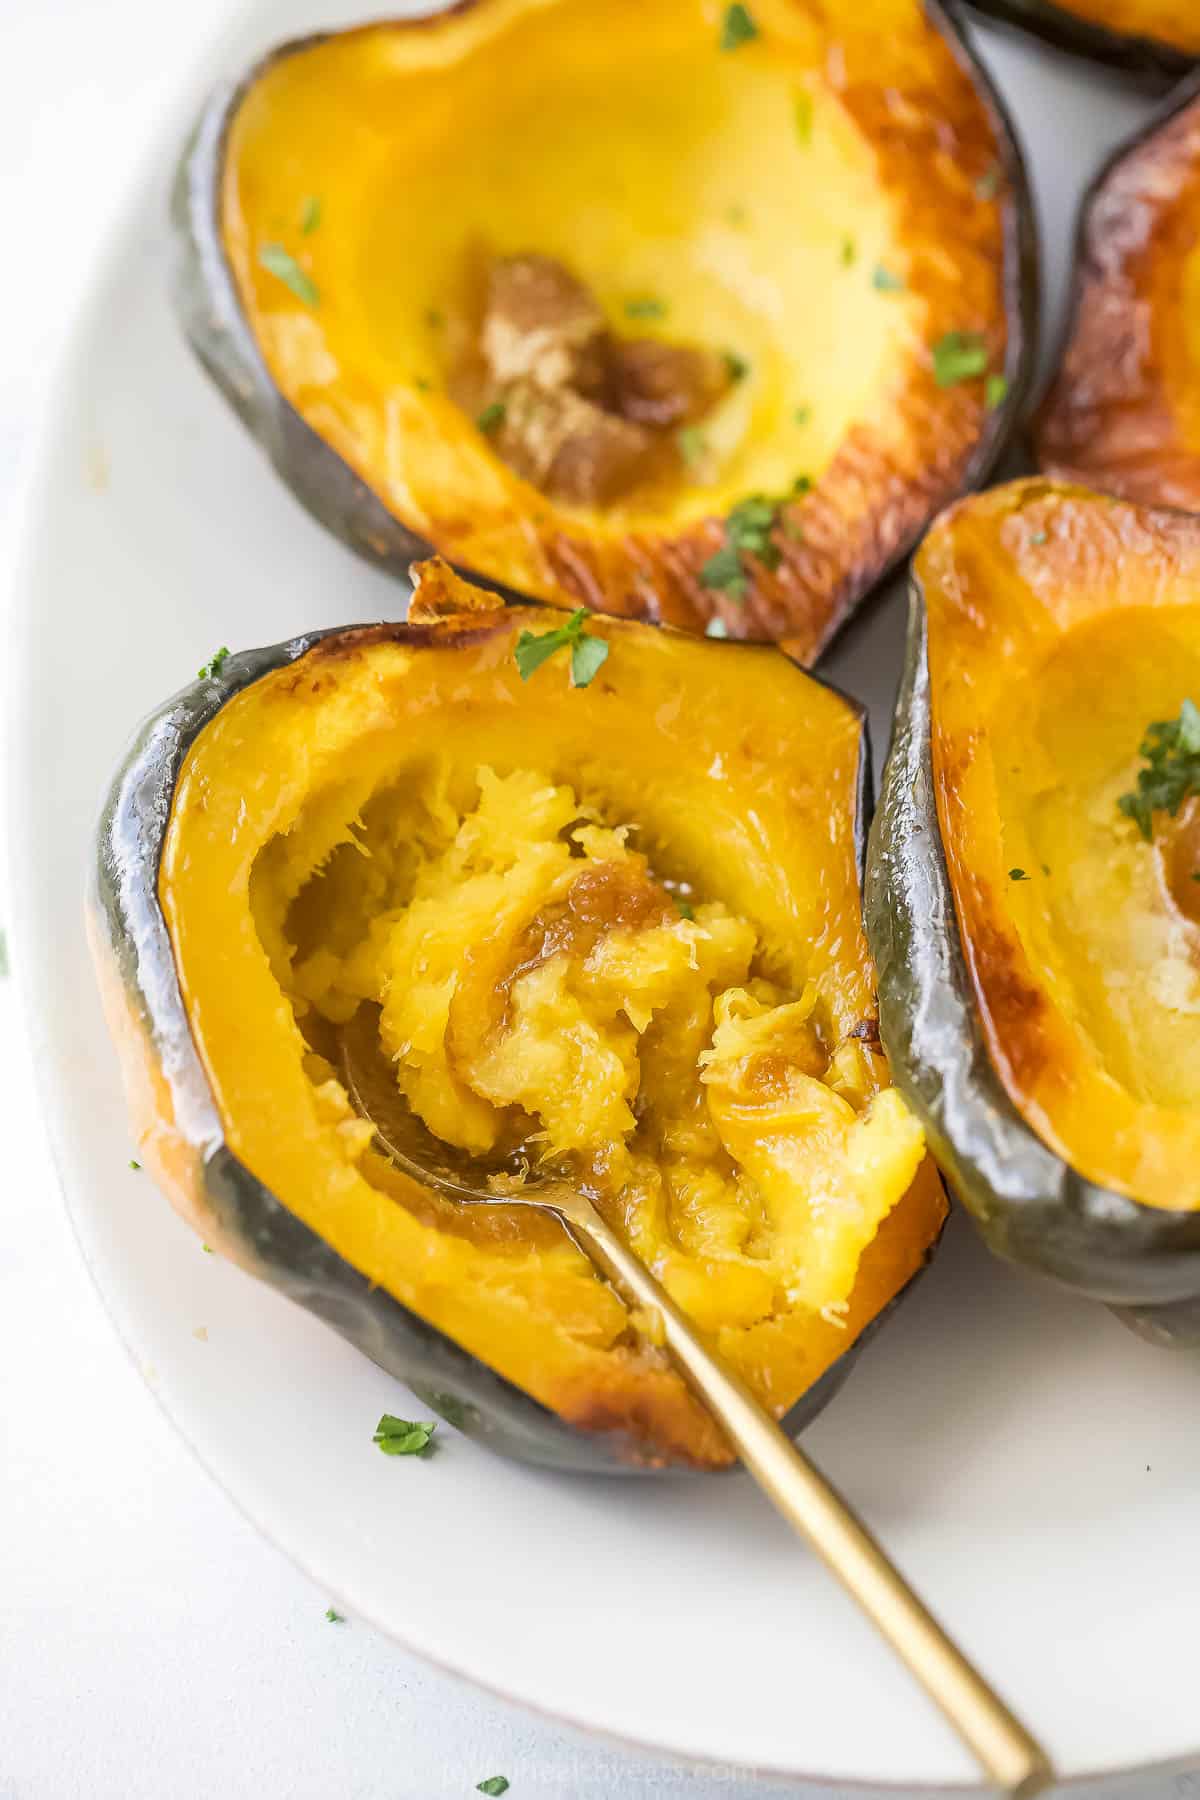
point(1123, 413)
point(824, 204)
point(1076, 620)
point(401, 821)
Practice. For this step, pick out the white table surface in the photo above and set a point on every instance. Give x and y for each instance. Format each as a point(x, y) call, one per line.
point(151, 1644)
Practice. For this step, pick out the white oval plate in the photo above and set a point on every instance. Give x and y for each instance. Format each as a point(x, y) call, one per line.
point(1032, 1466)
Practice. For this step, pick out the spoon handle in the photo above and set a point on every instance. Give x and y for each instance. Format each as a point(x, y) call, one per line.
point(814, 1508)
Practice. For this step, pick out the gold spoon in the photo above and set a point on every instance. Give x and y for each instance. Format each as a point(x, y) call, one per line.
point(1006, 1751)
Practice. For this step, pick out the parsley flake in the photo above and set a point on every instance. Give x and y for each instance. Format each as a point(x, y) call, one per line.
point(335, 1618)
point(959, 356)
point(686, 909)
point(885, 282)
point(207, 1249)
point(645, 306)
point(724, 570)
point(802, 415)
point(283, 266)
point(995, 391)
point(988, 185)
point(434, 319)
point(737, 27)
point(1037, 537)
point(214, 664)
point(133, 1163)
point(750, 524)
point(310, 215)
point(802, 113)
point(693, 445)
point(492, 417)
point(403, 1437)
point(1018, 875)
point(748, 529)
point(495, 1784)
point(849, 252)
point(737, 365)
point(588, 653)
point(1171, 749)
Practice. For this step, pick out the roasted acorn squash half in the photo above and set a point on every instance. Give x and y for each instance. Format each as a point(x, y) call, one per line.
point(1123, 412)
point(1159, 37)
point(820, 204)
point(617, 923)
point(1038, 954)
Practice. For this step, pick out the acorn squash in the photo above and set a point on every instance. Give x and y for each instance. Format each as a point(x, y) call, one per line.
point(1123, 412)
point(1038, 944)
point(616, 925)
point(794, 242)
point(1160, 37)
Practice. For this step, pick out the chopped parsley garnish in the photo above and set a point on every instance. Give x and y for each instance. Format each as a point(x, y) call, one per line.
point(1018, 875)
point(995, 391)
point(802, 415)
point(495, 1784)
point(716, 628)
point(802, 112)
point(214, 664)
point(750, 524)
point(492, 417)
point(724, 570)
point(207, 1249)
point(737, 214)
point(310, 214)
point(885, 281)
point(748, 529)
point(587, 652)
point(434, 319)
point(693, 445)
point(134, 1164)
point(686, 909)
point(403, 1437)
point(737, 27)
point(335, 1618)
point(645, 306)
point(1171, 749)
point(737, 365)
point(959, 356)
point(849, 252)
point(988, 185)
point(422, 384)
point(282, 264)
point(1037, 537)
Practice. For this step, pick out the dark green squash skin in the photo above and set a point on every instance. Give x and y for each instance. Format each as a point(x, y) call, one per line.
point(129, 929)
point(1137, 55)
point(1031, 1207)
point(207, 305)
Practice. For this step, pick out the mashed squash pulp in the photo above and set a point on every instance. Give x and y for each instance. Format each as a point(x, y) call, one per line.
point(542, 992)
